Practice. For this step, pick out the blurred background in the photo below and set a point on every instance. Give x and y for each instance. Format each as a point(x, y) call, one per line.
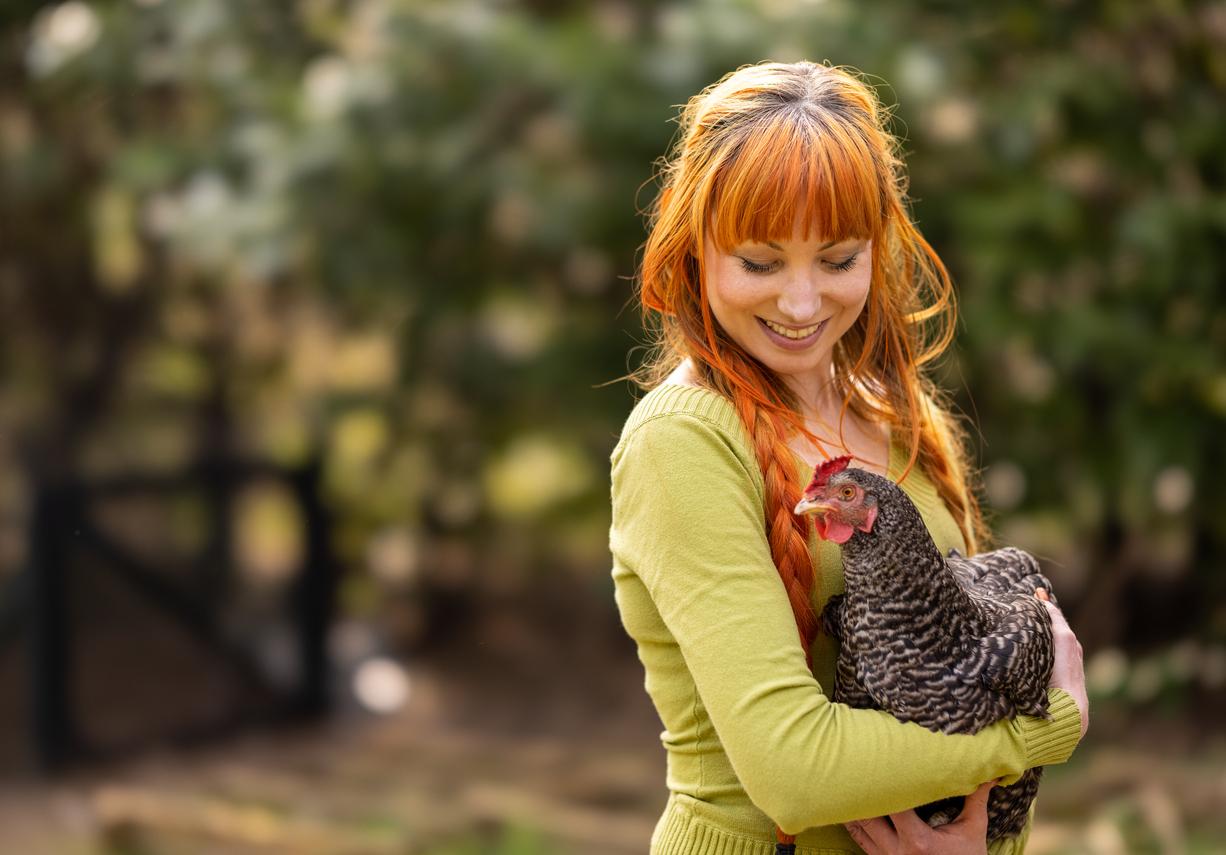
point(311, 319)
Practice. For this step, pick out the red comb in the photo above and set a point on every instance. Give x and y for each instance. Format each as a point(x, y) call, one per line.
point(823, 472)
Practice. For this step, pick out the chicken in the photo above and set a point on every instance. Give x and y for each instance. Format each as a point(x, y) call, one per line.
point(950, 643)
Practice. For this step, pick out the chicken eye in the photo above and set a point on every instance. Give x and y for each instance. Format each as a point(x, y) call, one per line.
point(848, 492)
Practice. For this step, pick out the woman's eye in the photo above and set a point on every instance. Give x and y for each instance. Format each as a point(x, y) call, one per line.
point(840, 266)
point(755, 268)
point(847, 264)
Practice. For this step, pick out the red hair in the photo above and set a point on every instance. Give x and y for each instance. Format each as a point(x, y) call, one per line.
point(757, 149)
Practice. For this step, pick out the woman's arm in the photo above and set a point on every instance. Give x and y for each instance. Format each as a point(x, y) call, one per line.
point(688, 520)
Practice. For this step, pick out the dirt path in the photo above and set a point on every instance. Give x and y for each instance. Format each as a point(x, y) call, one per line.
point(546, 730)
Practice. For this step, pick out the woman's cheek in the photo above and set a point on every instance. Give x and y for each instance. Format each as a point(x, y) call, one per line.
point(746, 293)
point(856, 292)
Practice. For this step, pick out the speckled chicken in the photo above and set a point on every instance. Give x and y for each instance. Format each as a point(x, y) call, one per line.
point(951, 643)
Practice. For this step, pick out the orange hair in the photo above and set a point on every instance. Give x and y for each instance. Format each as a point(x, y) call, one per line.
point(752, 147)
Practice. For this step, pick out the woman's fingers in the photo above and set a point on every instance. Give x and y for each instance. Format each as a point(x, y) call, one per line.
point(861, 837)
point(975, 809)
point(906, 832)
point(909, 826)
point(1068, 670)
point(983, 793)
point(875, 836)
point(1057, 616)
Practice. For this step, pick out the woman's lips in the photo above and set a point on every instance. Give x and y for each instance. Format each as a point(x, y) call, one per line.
point(793, 343)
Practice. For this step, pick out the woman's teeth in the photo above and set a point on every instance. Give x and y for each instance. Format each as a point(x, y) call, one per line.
point(807, 331)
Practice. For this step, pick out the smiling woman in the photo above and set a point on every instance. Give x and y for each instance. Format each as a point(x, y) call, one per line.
point(784, 206)
point(796, 303)
point(786, 304)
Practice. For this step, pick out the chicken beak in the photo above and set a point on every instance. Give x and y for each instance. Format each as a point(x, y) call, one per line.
point(812, 506)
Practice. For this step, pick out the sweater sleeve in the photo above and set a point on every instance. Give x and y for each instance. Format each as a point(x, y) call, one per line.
point(688, 520)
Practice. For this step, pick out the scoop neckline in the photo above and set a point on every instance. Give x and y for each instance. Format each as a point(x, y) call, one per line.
point(891, 469)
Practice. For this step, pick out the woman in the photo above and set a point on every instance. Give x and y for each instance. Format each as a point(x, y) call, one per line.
point(795, 300)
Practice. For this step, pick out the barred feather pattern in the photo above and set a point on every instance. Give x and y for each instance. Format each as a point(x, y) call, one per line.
point(948, 642)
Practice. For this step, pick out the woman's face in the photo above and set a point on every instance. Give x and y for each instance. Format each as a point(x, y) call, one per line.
point(798, 284)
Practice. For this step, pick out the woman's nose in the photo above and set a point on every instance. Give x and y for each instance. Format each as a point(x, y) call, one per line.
point(801, 298)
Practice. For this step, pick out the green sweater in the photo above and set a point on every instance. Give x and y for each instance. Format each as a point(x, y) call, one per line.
point(751, 737)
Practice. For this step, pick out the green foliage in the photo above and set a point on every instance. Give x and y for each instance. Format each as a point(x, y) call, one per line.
point(404, 233)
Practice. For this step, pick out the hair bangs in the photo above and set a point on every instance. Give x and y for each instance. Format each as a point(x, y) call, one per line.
point(792, 168)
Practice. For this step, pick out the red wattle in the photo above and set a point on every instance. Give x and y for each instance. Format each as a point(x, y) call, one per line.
point(839, 532)
point(831, 529)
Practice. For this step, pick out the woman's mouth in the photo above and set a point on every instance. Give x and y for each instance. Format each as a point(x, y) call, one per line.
point(793, 339)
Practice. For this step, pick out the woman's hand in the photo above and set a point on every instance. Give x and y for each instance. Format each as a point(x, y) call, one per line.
point(906, 834)
point(1067, 673)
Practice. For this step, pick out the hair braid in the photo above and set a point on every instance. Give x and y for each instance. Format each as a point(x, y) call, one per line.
point(787, 533)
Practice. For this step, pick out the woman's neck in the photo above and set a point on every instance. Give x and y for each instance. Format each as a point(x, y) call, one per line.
point(817, 395)
point(821, 409)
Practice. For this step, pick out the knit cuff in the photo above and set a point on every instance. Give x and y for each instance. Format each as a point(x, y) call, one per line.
point(1052, 741)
